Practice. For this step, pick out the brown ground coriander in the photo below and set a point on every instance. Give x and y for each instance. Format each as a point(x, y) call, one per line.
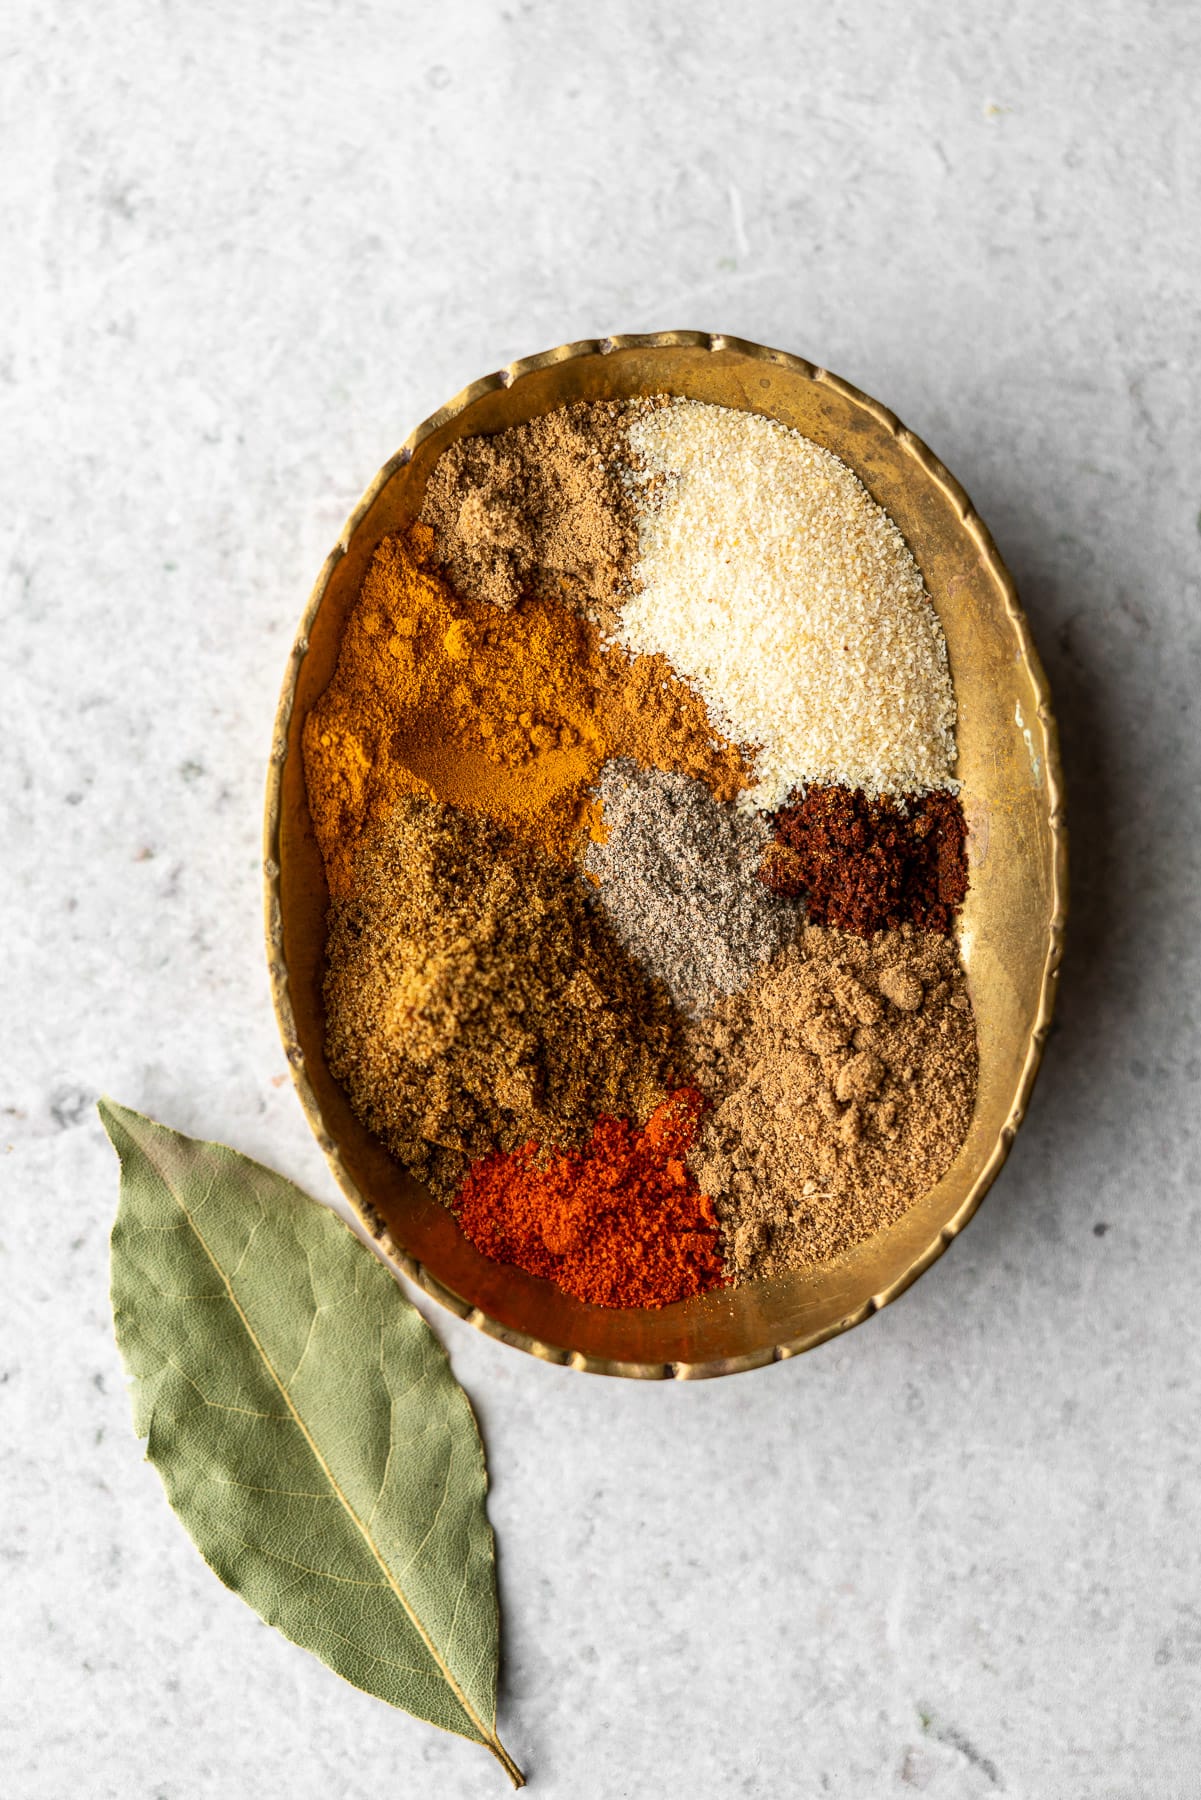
point(475, 1001)
point(844, 1079)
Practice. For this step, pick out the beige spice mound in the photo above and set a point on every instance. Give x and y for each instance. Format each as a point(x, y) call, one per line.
point(844, 1080)
point(770, 578)
point(475, 1000)
point(539, 510)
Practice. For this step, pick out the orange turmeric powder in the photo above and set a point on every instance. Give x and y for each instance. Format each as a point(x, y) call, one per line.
point(509, 714)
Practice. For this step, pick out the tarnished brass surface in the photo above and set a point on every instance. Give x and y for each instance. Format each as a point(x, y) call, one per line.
point(1012, 923)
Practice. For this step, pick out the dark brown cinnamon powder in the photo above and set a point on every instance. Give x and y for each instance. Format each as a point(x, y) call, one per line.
point(871, 865)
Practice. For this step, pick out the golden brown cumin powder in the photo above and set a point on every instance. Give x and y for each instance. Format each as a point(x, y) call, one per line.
point(476, 1001)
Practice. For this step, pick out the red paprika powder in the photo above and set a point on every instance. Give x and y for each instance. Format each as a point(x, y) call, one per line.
point(621, 1222)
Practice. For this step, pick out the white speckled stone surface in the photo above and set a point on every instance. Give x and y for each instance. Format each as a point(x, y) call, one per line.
point(247, 247)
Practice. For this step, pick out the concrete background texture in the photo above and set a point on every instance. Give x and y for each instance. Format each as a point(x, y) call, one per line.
point(247, 248)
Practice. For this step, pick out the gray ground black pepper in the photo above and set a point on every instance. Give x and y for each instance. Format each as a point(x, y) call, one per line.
point(678, 877)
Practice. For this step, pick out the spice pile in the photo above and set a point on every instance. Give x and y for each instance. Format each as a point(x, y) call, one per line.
point(634, 790)
point(842, 1082)
point(475, 1001)
point(622, 1223)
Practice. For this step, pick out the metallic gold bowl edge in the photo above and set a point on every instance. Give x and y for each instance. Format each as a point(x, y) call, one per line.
point(277, 969)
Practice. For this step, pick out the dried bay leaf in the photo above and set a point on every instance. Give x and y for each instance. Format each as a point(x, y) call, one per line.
point(306, 1425)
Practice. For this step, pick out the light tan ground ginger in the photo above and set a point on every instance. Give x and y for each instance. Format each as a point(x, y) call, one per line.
point(769, 577)
point(843, 1079)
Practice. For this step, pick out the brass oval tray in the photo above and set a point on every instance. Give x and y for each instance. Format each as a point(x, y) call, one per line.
point(1011, 927)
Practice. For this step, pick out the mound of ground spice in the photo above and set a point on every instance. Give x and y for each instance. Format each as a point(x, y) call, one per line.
point(871, 865)
point(539, 510)
point(768, 575)
point(437, 694)
point(475, 1001)
point(844, 1079)
point(678, 876)
point(619, 1223)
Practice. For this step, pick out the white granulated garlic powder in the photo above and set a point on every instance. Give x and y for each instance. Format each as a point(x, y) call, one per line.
point(769, 577)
